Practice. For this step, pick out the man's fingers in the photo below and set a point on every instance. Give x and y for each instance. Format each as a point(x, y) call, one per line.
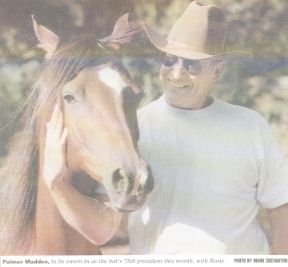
point(54, 113)
point(63, 137)
point(59, 121)
point(55, 124)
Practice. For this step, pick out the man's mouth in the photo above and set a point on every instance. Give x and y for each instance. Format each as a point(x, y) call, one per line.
point(179, 86)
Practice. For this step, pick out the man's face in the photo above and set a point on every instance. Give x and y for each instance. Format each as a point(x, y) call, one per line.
point(187, 83)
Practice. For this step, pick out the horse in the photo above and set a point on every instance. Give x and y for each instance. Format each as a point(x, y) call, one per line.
point(99, 102)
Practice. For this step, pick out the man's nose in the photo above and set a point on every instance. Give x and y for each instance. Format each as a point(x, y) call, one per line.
point(178, 69)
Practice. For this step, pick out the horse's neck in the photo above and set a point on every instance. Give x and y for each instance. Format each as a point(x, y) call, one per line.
point(53, 235)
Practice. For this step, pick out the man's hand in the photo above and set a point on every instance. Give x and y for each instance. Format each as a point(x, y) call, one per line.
point(54, 150)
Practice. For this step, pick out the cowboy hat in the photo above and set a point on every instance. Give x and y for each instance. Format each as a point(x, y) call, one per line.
point(198, 34)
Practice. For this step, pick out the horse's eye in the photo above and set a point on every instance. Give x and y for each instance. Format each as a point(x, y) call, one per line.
point(69, 98)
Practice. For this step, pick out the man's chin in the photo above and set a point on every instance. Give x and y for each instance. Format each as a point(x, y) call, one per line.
point(181, 93)
point(173, 101)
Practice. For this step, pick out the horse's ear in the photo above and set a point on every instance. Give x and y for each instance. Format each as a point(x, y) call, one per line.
point(123, 32)
point(47, 39)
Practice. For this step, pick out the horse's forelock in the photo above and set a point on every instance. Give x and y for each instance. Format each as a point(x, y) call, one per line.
point(71, 58)
point(63, 66)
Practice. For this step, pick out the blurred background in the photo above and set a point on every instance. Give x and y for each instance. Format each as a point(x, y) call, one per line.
point(257, 26)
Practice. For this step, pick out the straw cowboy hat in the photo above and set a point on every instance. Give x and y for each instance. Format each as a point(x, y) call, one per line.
point(198, 34)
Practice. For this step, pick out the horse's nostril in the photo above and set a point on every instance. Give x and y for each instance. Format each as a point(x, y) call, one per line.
point(150, 181)
point(146, 182)
point(120, 180)
point(125, 184)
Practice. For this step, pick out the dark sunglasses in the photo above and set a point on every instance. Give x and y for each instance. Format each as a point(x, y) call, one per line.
point(194, 67)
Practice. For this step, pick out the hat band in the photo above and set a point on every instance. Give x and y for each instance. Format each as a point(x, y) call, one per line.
point(177, 45)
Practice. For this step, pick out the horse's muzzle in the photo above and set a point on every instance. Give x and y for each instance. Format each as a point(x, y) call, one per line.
point(130, 191)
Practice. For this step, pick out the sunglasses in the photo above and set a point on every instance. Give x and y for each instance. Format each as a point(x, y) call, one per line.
point(193, 67)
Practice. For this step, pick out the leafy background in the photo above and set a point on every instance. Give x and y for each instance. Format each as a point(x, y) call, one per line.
point(258, 26)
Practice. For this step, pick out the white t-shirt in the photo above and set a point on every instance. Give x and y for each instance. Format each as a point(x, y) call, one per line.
point(213, 168)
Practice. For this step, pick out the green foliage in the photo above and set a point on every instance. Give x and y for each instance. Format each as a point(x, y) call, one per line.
point(16, 74)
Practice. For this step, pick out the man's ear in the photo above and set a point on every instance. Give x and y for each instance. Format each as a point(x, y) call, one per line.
point(218, 70)
point(47, 39)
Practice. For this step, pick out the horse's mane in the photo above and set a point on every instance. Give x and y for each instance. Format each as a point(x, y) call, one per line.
point(19, 173)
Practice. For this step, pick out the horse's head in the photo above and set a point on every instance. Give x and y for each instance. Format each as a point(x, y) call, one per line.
point(99, 102)
point(100, 113)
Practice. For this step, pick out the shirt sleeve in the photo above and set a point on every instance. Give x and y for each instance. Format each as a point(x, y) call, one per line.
point(273, 182)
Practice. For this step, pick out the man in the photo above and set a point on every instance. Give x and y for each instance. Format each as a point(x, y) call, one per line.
point(214, 163)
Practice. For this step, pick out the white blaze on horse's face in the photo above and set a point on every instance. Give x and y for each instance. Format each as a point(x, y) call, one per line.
point(112, 79)
point(100, 113)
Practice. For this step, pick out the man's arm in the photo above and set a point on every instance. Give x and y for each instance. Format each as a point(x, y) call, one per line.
point(278, 218)
point(93, 219)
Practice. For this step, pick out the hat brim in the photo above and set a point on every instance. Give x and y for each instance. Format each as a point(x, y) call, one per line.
point(160, 42)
